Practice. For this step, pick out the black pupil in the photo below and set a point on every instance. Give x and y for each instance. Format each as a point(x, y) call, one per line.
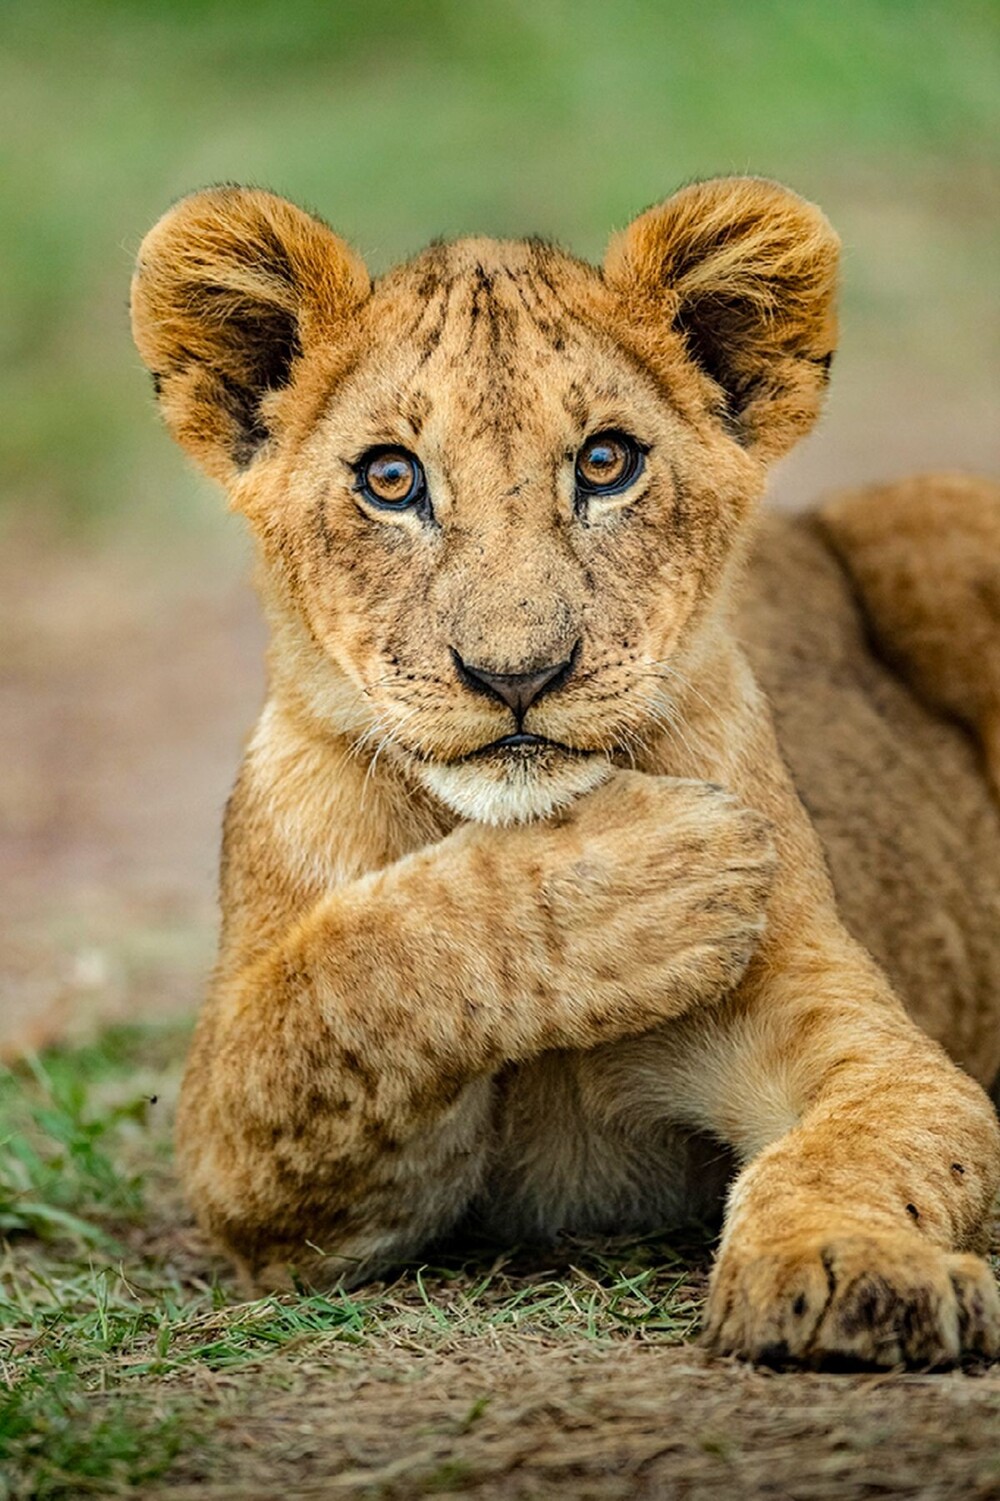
point(393, 475)
point(603, 456)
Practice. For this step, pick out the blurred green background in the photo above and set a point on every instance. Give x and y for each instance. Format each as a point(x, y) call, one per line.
point(400, 120)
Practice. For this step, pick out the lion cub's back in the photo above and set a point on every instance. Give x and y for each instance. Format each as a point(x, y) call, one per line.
point(898, 794)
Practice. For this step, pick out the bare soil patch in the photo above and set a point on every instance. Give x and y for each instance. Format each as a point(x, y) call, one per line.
point(128, 680)
point(597, 1425)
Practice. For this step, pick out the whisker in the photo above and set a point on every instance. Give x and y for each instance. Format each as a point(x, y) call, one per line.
point(664, 713)
point(667, 670)
point(388, 738)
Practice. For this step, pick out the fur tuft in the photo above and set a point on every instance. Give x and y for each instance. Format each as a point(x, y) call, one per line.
point(516, 796)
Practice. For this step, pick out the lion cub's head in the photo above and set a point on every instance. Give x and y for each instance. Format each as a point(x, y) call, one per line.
point(497, 492)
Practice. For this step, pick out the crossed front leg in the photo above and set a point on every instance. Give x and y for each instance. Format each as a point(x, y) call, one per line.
point(335, 1113)
point(872, 1163)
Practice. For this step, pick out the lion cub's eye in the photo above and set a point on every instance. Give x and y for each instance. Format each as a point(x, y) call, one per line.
point(607, 464)
point(391, 477)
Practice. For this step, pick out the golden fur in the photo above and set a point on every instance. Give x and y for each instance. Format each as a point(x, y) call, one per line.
point(579, 984)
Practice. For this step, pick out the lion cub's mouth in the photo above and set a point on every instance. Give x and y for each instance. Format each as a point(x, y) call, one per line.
point(523, 745)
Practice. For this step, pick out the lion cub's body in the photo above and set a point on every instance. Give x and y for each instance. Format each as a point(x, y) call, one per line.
point(897, 791)
point(528, 922)
point(586, 1141)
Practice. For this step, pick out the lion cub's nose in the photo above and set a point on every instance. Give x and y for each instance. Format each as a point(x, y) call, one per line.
point(518, 690)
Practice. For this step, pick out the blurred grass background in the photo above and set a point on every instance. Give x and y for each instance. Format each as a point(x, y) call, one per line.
point(400, 120)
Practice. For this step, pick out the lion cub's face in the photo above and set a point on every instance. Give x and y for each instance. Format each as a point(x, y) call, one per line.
point(498, 494)
point(502, 528)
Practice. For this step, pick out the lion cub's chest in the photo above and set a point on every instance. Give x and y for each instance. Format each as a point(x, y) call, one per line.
point(558, 1164)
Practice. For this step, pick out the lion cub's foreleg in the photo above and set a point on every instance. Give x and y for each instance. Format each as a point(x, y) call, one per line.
point(335, 1109)
point(872, 1163)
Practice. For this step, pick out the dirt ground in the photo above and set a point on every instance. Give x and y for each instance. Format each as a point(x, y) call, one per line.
point(129, 679)
point(614, 1424)
point(127, 687)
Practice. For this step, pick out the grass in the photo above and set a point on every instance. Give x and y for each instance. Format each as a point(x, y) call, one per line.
point(114, 1318)
point(403, 120)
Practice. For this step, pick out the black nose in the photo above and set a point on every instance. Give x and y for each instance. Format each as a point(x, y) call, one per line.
point(518, 690)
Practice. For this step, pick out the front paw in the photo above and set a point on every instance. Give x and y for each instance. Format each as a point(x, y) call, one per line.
point(867, 1299)
point(660, 886)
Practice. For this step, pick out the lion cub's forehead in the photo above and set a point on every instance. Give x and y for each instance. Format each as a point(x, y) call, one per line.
point(548, 284)
point(501, 339)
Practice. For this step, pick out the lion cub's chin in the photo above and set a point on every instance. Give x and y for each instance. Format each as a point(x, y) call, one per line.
point(512, 791)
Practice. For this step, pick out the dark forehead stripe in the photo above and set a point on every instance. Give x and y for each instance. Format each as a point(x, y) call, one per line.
point(492, 352)
point(429, 280)
point(547, 315)
point(480, 306)
point(490, 311)
point(490, 278)
point(428, 340)
point(417, 409)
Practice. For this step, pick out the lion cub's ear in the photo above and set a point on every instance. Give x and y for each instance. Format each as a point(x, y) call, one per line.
point(231, 288)
point(745, 271)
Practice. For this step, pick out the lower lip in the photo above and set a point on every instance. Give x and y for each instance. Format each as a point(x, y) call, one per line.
point(512, 740)
point(522, 742)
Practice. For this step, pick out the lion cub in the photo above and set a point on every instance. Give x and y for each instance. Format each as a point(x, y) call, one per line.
point(525, 924)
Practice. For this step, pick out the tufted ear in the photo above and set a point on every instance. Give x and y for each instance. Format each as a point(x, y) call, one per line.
point(231, 287)
point(745, 271)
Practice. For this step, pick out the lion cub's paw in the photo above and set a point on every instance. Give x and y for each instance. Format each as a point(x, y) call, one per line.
point(876, 1300)
point(712, 863)
point(668, 834)
point(672, 875)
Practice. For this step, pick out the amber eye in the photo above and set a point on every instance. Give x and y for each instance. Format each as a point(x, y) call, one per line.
point(607, 464)
point(391, 477)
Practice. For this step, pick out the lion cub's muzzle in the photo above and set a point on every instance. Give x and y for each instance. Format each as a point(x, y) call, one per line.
point(518, 691)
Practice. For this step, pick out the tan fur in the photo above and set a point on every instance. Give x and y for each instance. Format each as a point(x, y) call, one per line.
point(923, 555)
point(551, 988)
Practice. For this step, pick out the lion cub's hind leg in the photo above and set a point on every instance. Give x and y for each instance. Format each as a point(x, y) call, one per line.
point(924, 555)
